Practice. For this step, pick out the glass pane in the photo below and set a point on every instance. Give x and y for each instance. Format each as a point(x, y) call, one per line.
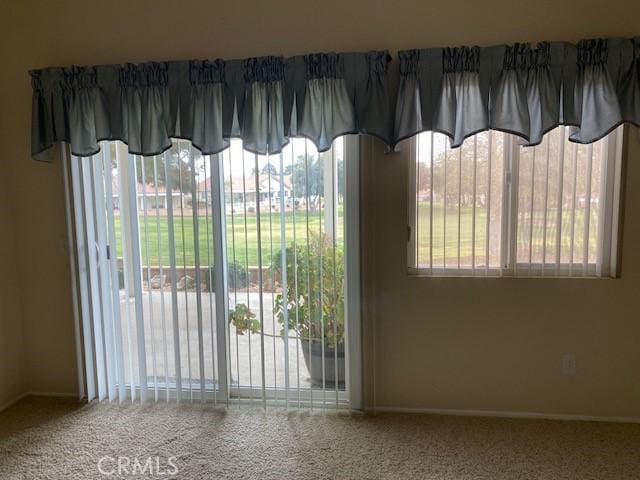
point(286, 209)
point(172, 201)
point(559, 190)
point(459, 201)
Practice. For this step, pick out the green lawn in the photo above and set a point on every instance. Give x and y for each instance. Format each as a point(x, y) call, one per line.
point(246, 244)
point(238, 242)
point(449, 248)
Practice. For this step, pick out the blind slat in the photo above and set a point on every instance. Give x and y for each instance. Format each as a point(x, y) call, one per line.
point(148, 274)
point(260, 282)
point(160, 260)
point(587, 213)
point(103, 269)
point(174, 277)
point(83, 280)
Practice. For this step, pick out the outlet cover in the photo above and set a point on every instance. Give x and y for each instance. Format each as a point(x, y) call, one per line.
point(568, 364)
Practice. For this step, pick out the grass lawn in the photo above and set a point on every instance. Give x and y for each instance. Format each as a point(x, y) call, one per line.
point(246, 244)
point(447, 245)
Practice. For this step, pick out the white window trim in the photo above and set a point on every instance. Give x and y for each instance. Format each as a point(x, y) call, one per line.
point(353, 320)
point(606, 268)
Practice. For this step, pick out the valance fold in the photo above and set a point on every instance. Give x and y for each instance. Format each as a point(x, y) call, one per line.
point(522, 89)
point(263, 101)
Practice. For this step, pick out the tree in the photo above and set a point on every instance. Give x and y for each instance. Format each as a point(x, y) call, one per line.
point(460, 171)
point(270, 169)
point(178, 165)
point(307, 176)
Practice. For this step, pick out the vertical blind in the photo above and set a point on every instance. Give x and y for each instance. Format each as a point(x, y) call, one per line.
point(212, 278)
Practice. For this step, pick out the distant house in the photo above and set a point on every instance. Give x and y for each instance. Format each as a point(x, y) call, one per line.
point(240, 192)
point(243, 190)
point(152, 197)
point(203, 191)
point(149, 195)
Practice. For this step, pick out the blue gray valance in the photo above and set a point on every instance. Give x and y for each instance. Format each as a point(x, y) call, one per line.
point(263, 101)
point(592, 86)
point(523, 89)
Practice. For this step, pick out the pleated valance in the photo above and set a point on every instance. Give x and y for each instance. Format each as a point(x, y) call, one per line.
point(264, 101)
point(522, 89)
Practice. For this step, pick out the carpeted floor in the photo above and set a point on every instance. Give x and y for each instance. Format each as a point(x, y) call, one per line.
point(59, 439)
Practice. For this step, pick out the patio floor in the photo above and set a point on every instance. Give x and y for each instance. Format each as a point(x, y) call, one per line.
point(244, 349)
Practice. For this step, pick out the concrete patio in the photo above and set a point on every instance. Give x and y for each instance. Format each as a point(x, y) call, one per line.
point(244, 349)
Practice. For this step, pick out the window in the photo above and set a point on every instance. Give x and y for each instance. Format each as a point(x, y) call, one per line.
point(493, 207)
point(216, 277)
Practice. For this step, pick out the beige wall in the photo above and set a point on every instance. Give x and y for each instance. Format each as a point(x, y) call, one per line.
point(496, 343)
point(12, 367)
point(12, 371)
point(441, 343)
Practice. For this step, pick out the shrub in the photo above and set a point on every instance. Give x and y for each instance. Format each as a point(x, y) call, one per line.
point(236, 273)
point(315, 291)
point(244, 319)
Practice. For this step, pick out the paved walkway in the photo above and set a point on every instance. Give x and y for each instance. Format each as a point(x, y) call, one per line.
point(244, 352)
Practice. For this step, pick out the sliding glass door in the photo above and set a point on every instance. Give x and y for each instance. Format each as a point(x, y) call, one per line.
point(217, 278)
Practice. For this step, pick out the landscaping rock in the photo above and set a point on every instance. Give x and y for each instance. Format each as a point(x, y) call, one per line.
point(158, 281)
point(186, 283)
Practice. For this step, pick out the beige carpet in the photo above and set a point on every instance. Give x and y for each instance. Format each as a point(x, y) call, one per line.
point(59, 439)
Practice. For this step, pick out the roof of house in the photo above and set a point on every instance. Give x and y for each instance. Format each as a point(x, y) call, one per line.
point(248, 183)
point(149, 188)
point(238, 184)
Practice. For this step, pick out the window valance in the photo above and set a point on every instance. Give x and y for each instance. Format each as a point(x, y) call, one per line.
point(592, 86)
point(262, 100)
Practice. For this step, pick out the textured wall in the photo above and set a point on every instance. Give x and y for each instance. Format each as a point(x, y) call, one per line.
point(441, 343)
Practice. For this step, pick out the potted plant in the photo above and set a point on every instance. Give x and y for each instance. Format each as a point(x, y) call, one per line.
point(314, 305)
point(243, 319)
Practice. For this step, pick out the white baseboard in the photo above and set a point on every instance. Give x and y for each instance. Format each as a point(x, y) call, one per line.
point(503, 414)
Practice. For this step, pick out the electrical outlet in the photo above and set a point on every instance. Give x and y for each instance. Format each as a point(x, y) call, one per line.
point(568, 364)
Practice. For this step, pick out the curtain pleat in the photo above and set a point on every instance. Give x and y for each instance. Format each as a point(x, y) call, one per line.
point(327, 112)
point(461, 109)
point(630, 87)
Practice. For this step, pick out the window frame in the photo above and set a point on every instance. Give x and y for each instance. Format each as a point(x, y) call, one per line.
point(608, 230)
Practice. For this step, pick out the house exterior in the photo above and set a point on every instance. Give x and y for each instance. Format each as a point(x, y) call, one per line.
point(149, 195)
point(240, 191)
